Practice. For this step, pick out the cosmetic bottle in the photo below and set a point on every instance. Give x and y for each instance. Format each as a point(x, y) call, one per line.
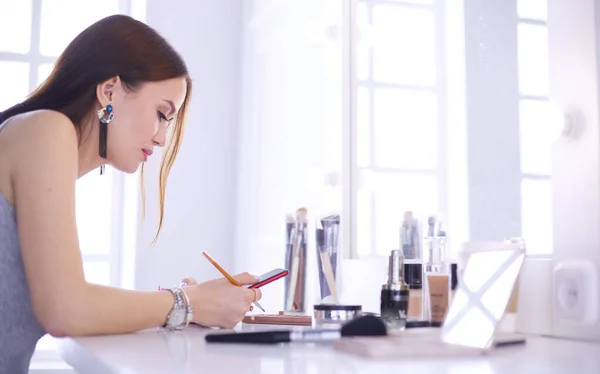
point(410, 237)
point(413, 276)
point(395, 293)
point(436, 274)
point(453, 280)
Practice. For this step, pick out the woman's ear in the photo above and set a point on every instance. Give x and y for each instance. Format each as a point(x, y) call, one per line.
point(106, 90)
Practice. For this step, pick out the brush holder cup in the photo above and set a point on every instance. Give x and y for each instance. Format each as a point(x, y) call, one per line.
point(328, 259)
point(295, 262)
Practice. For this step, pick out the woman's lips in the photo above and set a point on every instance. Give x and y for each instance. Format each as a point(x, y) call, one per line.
point(147, 153)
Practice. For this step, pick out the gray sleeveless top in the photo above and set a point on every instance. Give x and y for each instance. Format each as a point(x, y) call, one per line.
point(19, 329)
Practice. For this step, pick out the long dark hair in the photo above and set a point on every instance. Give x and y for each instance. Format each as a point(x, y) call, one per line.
point(117, 45)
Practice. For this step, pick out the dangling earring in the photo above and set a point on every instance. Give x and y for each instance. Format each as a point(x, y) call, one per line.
point(105, 115)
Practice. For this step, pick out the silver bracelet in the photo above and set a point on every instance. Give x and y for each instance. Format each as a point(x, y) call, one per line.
point(176, 320)
point(189, 315)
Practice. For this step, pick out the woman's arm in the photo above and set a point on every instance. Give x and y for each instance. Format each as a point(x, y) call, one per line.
point(43, 181)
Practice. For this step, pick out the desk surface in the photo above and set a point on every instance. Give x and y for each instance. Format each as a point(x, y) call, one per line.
point(156, 351)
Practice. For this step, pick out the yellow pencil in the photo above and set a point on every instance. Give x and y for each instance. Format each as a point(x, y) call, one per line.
point(226, 275)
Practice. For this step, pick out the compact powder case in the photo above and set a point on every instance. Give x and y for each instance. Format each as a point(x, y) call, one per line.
point(325, 314)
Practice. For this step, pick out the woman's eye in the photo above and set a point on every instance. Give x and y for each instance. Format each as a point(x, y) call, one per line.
point(161, 116)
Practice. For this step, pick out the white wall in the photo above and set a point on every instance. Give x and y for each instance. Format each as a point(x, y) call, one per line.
point(201, 190)
point(576, 183)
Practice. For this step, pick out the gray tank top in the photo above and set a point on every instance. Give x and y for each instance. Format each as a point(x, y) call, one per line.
point(19, 329)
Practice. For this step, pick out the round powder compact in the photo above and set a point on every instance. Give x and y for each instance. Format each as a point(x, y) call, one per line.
point(333, 314)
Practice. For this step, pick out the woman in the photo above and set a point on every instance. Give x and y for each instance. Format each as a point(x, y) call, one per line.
point(117, 92)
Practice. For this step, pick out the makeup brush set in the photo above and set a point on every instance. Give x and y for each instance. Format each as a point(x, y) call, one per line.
point(328, 257)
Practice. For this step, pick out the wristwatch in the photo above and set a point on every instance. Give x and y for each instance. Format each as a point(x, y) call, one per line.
point(177, 317)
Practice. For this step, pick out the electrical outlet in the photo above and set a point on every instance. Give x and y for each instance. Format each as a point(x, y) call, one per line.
point(576, 291)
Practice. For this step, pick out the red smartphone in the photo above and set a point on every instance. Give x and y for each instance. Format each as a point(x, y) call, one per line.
point(269, 277)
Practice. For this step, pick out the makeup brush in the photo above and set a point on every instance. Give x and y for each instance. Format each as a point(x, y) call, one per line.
point(366, 325)
point(294, 271)
point(290, 227)
point(325, 264)
point(299, 292)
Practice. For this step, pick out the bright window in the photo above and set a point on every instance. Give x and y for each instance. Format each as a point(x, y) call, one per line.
point(404, 129)
point(14, 76)
point(397, 125)
point(533, 58)
point(401, 135)
point(535, 117)
point(535, 124)
point(15, 20)
point(532, 9)
point(403, 44)
point(536, 213)
point(62, 20)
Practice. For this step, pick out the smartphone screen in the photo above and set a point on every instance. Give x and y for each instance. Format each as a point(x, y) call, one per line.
point(270, 277)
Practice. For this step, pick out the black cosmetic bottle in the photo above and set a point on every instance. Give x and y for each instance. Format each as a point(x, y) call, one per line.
point(395, 293)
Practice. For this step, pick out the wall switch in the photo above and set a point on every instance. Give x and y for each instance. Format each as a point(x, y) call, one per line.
point(576, 291)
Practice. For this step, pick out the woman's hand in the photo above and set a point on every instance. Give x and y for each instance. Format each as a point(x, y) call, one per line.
point(219, 303)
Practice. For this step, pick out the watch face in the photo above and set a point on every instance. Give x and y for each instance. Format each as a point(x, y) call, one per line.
point(177, 317)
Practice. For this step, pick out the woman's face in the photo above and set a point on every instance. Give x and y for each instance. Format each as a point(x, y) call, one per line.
point(140, 119)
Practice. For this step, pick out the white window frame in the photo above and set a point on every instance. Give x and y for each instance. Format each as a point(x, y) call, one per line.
point(350, 84)
point(540, 98)
point(460, 219)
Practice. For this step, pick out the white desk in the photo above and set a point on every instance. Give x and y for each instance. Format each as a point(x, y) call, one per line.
point(156, 351)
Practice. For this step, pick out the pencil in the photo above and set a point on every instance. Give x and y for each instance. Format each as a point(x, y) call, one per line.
point(226, 275)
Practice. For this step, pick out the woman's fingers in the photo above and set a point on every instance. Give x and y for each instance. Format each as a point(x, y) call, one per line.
point(252, 294)
point(258, 294)
point(188, 281)
point(246, 278)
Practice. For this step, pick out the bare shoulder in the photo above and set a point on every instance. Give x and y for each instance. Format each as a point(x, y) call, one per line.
point(40, 139)
point(40, 125)
point(34, 142)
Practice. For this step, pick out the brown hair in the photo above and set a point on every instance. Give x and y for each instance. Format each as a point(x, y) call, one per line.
point(121, 46)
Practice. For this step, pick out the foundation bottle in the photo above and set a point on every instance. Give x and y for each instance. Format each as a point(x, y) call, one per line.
point(413, 275)
point(436, 275)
